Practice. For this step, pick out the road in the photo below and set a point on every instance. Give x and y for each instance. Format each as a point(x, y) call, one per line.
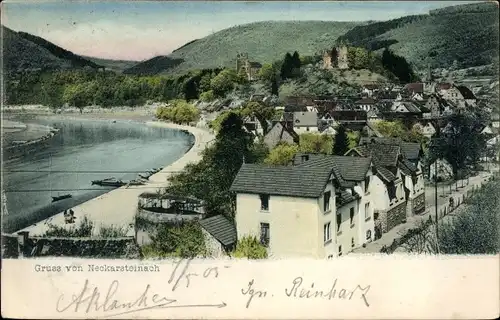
point(412, 222)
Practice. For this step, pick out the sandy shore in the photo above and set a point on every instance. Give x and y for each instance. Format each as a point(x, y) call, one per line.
point(118, 207)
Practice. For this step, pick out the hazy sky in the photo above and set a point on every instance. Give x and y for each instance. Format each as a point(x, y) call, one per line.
point(138, 30)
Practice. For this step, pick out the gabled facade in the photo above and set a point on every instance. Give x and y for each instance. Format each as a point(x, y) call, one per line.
point(309, 209)
point(280, 133)
point(400, 192)
point(305, 122)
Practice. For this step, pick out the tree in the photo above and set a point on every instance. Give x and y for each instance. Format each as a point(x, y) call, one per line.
point(282, 154)
point(353, 138)
point(267, 73)
point(275, 87)
point(287, 66)
point(207, 96)
point(341, 145)
point(179, 111)
point(250, 247)
point(461, 142)
point(223, 82)
point(262, 112)
point(315, 143)
point(185, 240)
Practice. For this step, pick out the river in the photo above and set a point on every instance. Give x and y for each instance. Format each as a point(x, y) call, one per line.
point(82, 151)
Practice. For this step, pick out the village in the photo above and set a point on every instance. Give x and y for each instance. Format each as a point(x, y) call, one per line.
point(323, 204)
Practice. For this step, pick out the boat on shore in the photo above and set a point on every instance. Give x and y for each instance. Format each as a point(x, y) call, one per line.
point(59, 198)
point(109, 182)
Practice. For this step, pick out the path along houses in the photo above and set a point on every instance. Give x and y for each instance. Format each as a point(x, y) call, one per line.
point(324, 206)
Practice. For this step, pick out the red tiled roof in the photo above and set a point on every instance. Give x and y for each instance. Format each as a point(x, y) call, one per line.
point(415, 87)
point(443, 86)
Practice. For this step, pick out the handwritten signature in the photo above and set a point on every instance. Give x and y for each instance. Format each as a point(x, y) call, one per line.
point(91, 299)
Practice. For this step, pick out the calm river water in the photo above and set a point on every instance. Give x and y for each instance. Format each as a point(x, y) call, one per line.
point(82, 151)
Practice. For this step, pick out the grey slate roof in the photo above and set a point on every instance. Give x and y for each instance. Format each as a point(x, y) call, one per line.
point(407, 167)
point(305, 119)
point(411, 150)
point(385, 174)
point(221, 229)
point(385, 154)
point(350, 168)
point(291, 181)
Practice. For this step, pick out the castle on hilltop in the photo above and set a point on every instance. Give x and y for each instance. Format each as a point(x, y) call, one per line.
point(243, 64)
point(336, 58)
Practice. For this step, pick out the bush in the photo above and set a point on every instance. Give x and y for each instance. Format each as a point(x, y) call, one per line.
point(179, 111)
point(112, 231)
point(84, 229)
point(183, 239)
point(207, 96)
point(249, 247)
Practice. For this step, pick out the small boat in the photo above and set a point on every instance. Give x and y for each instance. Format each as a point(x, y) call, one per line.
point(109, 183)
point(58, 198)
point(145, 177)
point(135, 183)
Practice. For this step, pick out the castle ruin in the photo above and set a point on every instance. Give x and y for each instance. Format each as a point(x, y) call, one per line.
point(243, 64)
point(336, 58)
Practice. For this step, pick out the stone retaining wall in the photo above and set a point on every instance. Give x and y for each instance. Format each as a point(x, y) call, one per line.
point(22, 245)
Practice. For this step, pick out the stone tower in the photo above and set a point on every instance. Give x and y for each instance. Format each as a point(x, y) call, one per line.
point(241, 61)
point(343, 62)
point(327, 60)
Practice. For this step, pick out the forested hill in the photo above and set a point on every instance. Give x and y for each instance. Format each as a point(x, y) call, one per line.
point(465, 33)
point(263, 41)
point(23, 51)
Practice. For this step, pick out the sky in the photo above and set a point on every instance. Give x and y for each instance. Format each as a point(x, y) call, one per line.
point(139, 30)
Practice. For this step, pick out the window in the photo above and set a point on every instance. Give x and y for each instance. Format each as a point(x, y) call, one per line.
point(351, 216)
point(367, 210)
point(307, 128)
point(339, 217)
point(340, 250)
point(264, 202)
point(327, 235)
point(352, 243)
point(367, 183)
point(326, 201)
point(305, 157)
point(264, 234)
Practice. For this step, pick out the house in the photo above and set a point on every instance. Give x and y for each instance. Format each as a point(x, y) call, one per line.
point(252, 125)
point(468, 96)
point(451, 93)
point(417, 96)
point(355, 223)
point(426, 128)
point(365, 104)
point(306, 210)
point(279, 133)
point(305, 122)
point(220, 236)
point(288, 208)
point(328, 129)
point(370, 89)
point(406, 107)
point(396, 197)
point(327, 118)
point(414, 88)
point(495, 119)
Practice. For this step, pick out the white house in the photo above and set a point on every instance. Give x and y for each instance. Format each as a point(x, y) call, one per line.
point(305, 122)
point(365, 104)
point(306, 210)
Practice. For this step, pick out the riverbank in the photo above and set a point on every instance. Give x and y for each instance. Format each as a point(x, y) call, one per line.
point(20, 138)
point(118, 207)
